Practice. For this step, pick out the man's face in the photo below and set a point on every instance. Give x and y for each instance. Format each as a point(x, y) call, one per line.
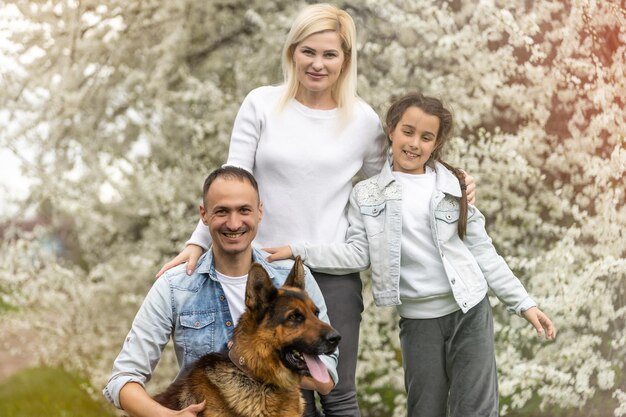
point(232, 213)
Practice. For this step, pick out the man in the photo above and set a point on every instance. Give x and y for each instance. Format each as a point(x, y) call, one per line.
point(200, 311)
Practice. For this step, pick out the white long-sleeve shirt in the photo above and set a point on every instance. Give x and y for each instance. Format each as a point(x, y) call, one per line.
point(304, 161)
point(424, 287)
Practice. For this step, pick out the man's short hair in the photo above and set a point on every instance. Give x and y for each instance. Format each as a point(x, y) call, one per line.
point(228, 172)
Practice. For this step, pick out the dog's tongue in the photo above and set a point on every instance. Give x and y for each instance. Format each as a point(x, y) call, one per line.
point(316, 368)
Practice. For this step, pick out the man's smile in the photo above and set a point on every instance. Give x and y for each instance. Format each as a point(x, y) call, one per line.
point(234, 235)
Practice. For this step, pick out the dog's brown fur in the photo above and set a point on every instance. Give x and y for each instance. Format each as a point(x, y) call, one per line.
point(276, 321)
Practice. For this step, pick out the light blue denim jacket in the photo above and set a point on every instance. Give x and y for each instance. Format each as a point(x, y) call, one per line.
point(193, 311)
point(472, 265)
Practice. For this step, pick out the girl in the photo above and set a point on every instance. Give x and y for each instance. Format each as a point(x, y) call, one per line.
point(432, 258)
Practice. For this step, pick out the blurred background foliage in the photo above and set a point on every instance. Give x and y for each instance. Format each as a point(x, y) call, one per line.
point(119, 109)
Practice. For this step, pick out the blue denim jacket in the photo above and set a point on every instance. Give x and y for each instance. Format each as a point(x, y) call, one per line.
point(193, 311)
point(472, 265)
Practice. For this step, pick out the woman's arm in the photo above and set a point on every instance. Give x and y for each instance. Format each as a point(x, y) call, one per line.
point(191, 254)
point(470, 183)
point(246, 133)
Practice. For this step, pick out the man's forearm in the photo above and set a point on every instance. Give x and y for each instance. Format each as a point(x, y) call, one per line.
point(135, 401)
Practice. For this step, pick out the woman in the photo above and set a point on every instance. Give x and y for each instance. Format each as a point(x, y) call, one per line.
point(304, 141)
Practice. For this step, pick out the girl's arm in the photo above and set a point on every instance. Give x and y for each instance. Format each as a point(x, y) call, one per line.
point(501, 279)
point(337, 258)
point(499, 276)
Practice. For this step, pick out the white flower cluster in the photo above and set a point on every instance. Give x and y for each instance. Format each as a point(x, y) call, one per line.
point(129, 105)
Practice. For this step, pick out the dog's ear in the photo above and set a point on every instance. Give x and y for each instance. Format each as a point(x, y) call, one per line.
point(296, 276)
point(260, 291)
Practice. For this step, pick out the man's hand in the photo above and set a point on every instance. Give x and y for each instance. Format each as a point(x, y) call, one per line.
point(541, 322)
point(191, 253)
point(278, 253)
point(191, 411)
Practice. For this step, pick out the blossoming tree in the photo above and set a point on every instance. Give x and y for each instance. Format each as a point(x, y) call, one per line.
point(127, 105)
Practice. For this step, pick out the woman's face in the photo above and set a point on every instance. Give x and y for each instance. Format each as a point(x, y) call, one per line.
point(318, 60)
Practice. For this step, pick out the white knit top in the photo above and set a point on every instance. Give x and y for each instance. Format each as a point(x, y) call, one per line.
point(424, 287)
point(304, 161)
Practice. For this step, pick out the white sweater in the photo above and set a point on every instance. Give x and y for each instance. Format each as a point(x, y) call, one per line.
point(304, 161)
point(425, 291)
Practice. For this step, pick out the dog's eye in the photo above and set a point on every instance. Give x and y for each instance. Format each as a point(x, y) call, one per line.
point(296, 317)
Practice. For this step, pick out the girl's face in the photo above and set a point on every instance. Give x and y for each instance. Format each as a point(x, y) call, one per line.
point(413, 140)
point(318, 60)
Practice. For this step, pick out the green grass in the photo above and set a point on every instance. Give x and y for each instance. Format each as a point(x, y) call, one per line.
point(4, 307)
point(48, 392)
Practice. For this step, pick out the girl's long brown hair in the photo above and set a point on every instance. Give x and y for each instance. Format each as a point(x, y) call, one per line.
point(435, 107)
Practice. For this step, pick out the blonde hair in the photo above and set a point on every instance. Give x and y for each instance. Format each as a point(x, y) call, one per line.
point(314, 19)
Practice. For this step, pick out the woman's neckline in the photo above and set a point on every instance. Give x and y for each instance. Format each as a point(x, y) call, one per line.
point(310, 111)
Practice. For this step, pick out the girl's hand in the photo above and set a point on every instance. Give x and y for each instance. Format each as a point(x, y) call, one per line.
point(470, 183)
point(191, 253)
point(541, 322)
point(278, 253)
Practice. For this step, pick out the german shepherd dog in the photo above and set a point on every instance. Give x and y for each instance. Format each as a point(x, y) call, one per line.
point(276, 342)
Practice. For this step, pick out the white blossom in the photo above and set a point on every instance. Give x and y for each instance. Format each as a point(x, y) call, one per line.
point(130, 104)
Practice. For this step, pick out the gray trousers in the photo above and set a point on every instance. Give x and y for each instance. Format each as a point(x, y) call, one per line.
point(344, 300)
point(449, 364)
